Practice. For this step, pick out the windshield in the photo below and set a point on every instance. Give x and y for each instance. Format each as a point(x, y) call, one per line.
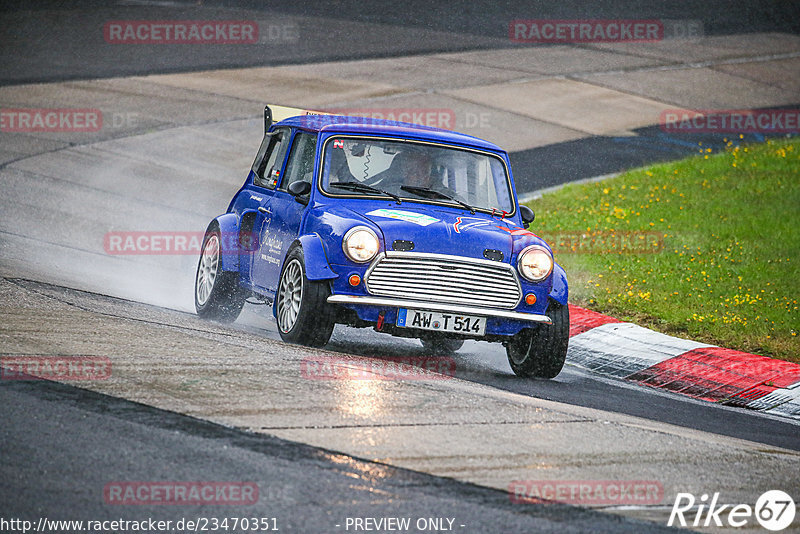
point(416, 172)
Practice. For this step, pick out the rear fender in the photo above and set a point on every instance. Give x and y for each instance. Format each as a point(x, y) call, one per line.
point(228, 225)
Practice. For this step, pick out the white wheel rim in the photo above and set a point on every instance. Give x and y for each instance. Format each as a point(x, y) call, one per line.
point(207, 270)
point(290, 295)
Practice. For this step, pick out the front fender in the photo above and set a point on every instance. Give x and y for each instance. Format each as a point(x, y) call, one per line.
point(317, 267)
point(560, 290)
point(229, 235)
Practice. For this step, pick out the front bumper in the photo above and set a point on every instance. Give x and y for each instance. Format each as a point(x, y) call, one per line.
point(356, 300)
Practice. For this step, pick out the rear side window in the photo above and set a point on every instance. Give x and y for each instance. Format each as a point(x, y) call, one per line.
point(270, 158)
point(301, 160)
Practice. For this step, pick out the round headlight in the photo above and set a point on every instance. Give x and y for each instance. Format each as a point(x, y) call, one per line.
point(360, 244)
point(535, 263)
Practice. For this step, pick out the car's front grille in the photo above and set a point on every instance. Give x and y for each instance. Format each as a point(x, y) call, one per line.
point(440, 278)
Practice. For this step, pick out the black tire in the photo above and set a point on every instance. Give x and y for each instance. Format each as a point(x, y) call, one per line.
point(540, 352)
point(217, 294)
point(441, 345)
point(302, 311)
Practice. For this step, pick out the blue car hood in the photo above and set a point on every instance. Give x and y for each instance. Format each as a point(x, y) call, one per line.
point(444, 231)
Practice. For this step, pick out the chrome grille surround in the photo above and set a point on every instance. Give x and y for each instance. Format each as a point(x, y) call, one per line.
point(444, 278)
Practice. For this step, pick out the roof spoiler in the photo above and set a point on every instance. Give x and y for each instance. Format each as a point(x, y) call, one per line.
point(278, 113)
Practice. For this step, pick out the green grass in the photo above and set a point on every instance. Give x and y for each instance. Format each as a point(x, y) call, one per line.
point(722, 264)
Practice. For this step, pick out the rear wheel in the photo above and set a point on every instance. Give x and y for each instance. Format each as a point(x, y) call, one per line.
point(217, 294)
point(540, 352)
point(441, 345)
point(303, 313)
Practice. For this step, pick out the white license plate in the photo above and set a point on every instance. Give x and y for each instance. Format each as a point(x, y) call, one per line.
point(441, 322)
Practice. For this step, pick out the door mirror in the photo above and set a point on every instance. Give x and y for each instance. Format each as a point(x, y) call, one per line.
point(527, 215)
point(298, 189)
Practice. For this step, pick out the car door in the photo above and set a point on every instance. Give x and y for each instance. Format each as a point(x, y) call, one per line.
point(267, 174)
point(286, 213)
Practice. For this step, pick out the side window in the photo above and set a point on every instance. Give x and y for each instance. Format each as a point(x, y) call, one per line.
point(301, 160)
point(270, 158)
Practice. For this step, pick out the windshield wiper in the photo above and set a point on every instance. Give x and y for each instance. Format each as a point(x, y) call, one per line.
point(427, 192)
point(363, 188)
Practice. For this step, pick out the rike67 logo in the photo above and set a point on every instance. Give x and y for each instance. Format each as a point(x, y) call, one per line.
point(774, 510)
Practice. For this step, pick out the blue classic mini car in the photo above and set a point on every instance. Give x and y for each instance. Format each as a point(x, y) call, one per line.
point(410, 230)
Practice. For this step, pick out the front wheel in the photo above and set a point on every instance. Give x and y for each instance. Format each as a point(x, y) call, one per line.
point(217, 294)
point(303, 313)
point(540, 352)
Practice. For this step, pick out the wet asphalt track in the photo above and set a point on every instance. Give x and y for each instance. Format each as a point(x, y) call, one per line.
point(92, 439)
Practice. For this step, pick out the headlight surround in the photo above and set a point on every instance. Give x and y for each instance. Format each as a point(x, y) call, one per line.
point(535, 263)
point(360, 244)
